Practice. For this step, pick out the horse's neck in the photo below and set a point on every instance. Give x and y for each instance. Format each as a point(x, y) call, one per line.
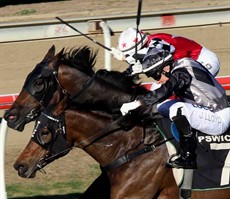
point(107, 95)
point(96, 94)
point(71, 79)
point(84, 127)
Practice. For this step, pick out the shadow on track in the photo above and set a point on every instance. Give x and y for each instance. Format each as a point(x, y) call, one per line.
point(16, 2)
point(68, 196)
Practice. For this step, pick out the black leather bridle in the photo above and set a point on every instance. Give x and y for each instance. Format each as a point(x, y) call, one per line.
point(57, 145)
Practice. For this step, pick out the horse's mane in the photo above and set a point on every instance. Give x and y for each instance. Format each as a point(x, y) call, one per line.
point(82, 58)
point(121, 81)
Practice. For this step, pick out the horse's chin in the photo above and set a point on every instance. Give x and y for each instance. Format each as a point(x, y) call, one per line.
point(18, 127)
point(25, 171)
point(19, 124)
point(17, 121)
point(30, 173)
point(33, 175)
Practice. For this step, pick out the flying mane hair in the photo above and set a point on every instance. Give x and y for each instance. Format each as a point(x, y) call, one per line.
point(84, 59)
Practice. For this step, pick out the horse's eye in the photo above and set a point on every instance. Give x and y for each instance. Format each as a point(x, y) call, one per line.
point(44, 133)
point(45, 136)
point(39, 82)
point(38, 85)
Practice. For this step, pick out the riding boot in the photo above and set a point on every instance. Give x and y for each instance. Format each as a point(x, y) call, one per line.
point(187, 155)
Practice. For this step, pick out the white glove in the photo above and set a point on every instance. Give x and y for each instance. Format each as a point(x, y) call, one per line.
point(126, 107)
point(136, 68)
point(117, 54)
point(130, 59)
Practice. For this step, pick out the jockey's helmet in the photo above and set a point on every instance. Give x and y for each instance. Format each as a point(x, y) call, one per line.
point(154, 62)
point(131, 38)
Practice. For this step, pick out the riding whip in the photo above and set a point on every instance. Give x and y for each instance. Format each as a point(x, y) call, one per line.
point(137, 23)
point(96, 42)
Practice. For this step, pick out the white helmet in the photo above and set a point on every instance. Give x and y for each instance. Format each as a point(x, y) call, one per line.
point(129, 39)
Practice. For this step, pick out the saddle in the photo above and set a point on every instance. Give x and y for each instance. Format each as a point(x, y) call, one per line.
point(213, 158)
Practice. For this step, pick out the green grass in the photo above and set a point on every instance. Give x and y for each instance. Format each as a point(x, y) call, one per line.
point(20, 190)
point(71, 186)
point(45, 190)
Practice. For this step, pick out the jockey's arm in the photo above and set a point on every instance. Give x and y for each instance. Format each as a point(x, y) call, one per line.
point(178, 80)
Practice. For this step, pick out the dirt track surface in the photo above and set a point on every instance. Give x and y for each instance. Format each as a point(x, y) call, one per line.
point(18, 59)
point(87, 8)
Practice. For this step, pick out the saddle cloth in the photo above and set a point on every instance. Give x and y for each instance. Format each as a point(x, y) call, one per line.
point(213, 160)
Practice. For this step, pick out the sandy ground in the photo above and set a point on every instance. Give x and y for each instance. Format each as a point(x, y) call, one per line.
point(18, 59)
point(77, 8)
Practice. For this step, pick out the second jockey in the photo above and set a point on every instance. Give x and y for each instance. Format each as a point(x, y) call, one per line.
point(178, 46)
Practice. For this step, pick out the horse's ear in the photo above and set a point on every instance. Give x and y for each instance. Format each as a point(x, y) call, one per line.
point(50, 54)
point(60, 54)
point(57, 58)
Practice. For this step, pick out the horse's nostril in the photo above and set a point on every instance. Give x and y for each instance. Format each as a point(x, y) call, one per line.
point(10, 115)
point(21, 168)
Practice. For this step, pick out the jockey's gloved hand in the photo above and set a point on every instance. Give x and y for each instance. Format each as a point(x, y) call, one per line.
point(137, 68)
point(126, 107)
point(117, 54)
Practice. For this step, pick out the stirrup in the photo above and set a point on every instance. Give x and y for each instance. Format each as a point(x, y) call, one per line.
point(170, 159)
point(187, 165)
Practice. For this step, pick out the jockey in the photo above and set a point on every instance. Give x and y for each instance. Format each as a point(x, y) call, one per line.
point(178, 46)
point(203, 103)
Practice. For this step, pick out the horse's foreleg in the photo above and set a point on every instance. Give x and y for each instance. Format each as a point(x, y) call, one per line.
point(169, 189)
point(100, 188)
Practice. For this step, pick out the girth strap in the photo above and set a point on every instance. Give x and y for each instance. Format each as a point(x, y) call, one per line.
point(127, 157)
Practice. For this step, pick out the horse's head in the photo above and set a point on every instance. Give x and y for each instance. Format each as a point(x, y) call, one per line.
point(36, 93)
point(48, 142)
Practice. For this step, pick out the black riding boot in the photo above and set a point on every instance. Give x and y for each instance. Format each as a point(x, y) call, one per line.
point(187, 156)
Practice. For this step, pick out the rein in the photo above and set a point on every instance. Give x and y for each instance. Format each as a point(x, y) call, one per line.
point(83, 144)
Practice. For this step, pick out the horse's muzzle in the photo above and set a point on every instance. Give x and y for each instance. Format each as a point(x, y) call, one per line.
point(23, 171)
point(13, 121)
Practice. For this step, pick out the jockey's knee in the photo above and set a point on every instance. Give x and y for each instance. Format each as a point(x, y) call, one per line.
point(202, 119)
point(164, 107)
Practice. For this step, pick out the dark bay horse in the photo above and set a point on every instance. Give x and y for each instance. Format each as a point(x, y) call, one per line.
point(145, 176)
point(73, 72)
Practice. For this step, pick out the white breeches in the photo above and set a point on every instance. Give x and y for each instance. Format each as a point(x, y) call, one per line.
point(209, 59)
point(202, 119)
